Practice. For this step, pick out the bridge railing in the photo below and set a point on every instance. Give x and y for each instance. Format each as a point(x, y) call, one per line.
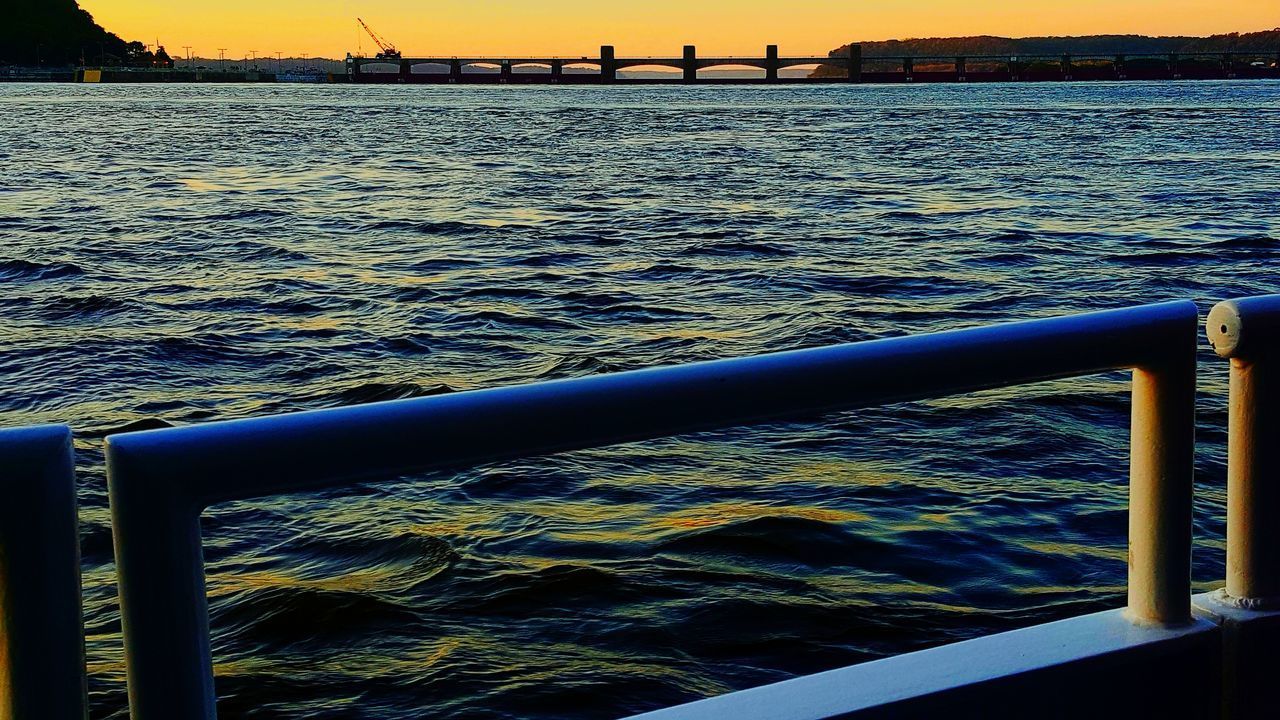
point(161, 480)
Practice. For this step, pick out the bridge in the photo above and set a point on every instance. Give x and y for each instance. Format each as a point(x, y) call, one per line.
point(848, 66)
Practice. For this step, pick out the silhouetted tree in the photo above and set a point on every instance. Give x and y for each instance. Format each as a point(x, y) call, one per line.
point(57, 33)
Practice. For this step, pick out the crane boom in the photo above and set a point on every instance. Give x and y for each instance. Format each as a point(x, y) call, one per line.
point(387, 49)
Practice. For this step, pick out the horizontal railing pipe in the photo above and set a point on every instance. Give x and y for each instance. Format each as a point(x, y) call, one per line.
point(41, 626)
point(161, 480)
point(1247, 331)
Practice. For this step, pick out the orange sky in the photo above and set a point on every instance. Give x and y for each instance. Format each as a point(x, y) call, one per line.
point(657, 27)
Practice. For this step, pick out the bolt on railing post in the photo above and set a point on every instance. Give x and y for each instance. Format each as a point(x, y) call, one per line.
point(41, 624)
point(1161, 465)
point(1247, 331)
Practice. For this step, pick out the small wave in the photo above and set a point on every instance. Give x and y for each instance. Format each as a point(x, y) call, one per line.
point(84, 306)
point(815, 543)
point(17, 269)
point(289, 615)
point(437, 227)
point(1209, 252)
point(252, 250)
point(379, 392)
point(889, 285)
point(741, 248)
point(148, 423)
point(524, 591)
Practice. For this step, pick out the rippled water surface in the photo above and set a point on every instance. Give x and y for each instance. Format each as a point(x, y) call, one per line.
point(190, 253)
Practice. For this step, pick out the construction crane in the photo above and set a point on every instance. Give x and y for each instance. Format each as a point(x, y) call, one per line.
point(388, 51)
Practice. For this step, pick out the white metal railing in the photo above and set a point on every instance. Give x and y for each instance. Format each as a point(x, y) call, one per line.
point(1247, 331)
point(161, 480)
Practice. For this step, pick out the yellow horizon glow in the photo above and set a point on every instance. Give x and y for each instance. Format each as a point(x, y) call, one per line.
point(572, 28)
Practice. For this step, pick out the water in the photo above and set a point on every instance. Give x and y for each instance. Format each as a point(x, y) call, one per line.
point(190, 253)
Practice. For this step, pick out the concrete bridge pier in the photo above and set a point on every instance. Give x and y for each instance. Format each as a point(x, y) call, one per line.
point(557, 70)
point(1066, 67)
point(908, 68)
point(1228, 65)
point(504, 71)
point(960, 69)
point(1119, 66)
point(1015, 69)
point(455, 70)
point(1174, 72)
point(771, 63)
point(405, 70)
point(855, 62)
point(690, 63)
point(608, 65)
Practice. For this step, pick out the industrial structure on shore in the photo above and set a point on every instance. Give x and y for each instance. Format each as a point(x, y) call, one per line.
point(607, 67)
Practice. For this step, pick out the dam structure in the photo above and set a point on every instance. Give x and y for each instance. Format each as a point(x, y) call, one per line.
point(850, 66)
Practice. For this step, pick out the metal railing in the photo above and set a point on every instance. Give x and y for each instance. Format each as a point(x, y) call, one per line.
point(1247, 331)
point(161, 480)
point(41, 624)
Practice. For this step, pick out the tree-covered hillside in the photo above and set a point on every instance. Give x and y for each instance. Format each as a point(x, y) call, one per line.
point(1267, 40)
point(58, 33)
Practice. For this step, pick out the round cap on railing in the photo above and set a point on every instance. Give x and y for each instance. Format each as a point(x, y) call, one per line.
point(1246, 327)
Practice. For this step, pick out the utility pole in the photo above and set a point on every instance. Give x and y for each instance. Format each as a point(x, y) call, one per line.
point(188, 49)
point(278, 63)
point(222, 58)
point(253, 54)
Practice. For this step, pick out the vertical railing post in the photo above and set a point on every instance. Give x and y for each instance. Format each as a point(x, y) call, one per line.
point(1248, 332)
point(1161, 465)
point(164, 611)
point(41, 624)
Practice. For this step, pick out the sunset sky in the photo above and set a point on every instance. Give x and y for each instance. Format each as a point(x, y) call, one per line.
point(658, 27)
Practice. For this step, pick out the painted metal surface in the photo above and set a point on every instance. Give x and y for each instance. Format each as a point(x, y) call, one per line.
point(41, 626)
point(1247, 331)
point(161, 480)
point(1016, 674)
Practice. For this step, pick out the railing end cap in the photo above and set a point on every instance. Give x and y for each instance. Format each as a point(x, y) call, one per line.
point(1244, 327)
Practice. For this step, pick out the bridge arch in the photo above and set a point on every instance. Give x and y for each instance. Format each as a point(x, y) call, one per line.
point(379, 67)
point(537, 67)
point(740, 69)
point(804, 64)
point(648, 64)
point(431, 67)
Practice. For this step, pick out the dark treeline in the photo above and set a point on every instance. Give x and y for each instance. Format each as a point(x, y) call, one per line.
point(1265, 41)
point(57, 33)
